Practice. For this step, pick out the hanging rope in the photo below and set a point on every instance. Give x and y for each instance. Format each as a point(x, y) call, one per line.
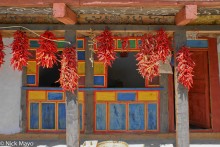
point(35, 33)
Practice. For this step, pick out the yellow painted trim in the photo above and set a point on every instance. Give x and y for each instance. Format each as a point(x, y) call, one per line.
point(81, 96)
point(81, 68)
point(105, 96)
point(148, 96)
point(31, 67)
point(99, 68)
point(37, 95)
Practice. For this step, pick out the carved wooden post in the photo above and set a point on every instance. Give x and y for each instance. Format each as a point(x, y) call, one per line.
point(72, 113)
point(181, 99)
point(89, 101)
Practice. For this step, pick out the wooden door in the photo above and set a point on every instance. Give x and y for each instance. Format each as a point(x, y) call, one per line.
point(199, 101)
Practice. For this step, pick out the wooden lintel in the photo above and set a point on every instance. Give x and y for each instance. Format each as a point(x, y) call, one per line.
point(186, 15)
point(64, 14)
point(205, 28)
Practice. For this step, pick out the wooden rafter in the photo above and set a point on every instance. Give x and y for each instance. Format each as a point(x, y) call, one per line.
point(64, 14)
point(186, 15)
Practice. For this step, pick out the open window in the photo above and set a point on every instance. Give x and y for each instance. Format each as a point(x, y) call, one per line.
point(123, 72)
point(48, 77)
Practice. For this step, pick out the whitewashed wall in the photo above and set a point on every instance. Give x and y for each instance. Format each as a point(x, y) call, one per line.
point(10, 93)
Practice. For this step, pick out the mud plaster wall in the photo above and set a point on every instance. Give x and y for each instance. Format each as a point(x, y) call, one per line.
point(10, 93)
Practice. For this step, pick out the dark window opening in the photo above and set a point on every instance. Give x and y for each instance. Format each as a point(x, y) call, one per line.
point(123, 72)
point(48, 77)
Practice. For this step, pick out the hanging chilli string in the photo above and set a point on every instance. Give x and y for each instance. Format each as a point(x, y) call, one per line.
point(35, 33)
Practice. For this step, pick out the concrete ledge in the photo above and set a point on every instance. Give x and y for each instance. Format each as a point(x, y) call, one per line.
point(53, 136)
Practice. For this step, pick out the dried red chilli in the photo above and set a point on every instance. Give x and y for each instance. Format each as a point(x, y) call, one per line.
point(105, 46)
point(124, 46)
point(68, 72)
point(163, 45)
point(2, 53)
point(147, 58)
point(124, 43)
point(185, 67)
point(19, 50)
point(46, 53)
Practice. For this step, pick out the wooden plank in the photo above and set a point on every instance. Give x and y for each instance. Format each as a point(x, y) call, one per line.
point(181, 99)
point(72, 111)
point(64, 14)
point(89, 100)
point(186, 15)
point(214, 84)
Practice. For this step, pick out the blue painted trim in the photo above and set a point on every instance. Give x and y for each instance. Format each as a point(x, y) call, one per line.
point(94, 89)
point(101, 116)
point(31, 79)
point(61, 116)
point(55, 95)
point(130, 96)
point(48, 115)
point(136, 117)
point(81, 55)
point(197, 43)
point(99, 80)
point(41, 88)
point(117, 117)
point(34, 116)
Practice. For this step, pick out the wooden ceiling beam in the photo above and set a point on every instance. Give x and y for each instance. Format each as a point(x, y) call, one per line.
point(186, 15)
point(107, 3)
point(64, 14)
point(35, 3)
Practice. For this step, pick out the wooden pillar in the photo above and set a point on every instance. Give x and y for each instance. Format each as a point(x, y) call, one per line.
point(214, 83)
point(181, 98)
point(171, 103)
point(23, 121)
point(89, 101)
point(164, 121)
point(72, 111)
